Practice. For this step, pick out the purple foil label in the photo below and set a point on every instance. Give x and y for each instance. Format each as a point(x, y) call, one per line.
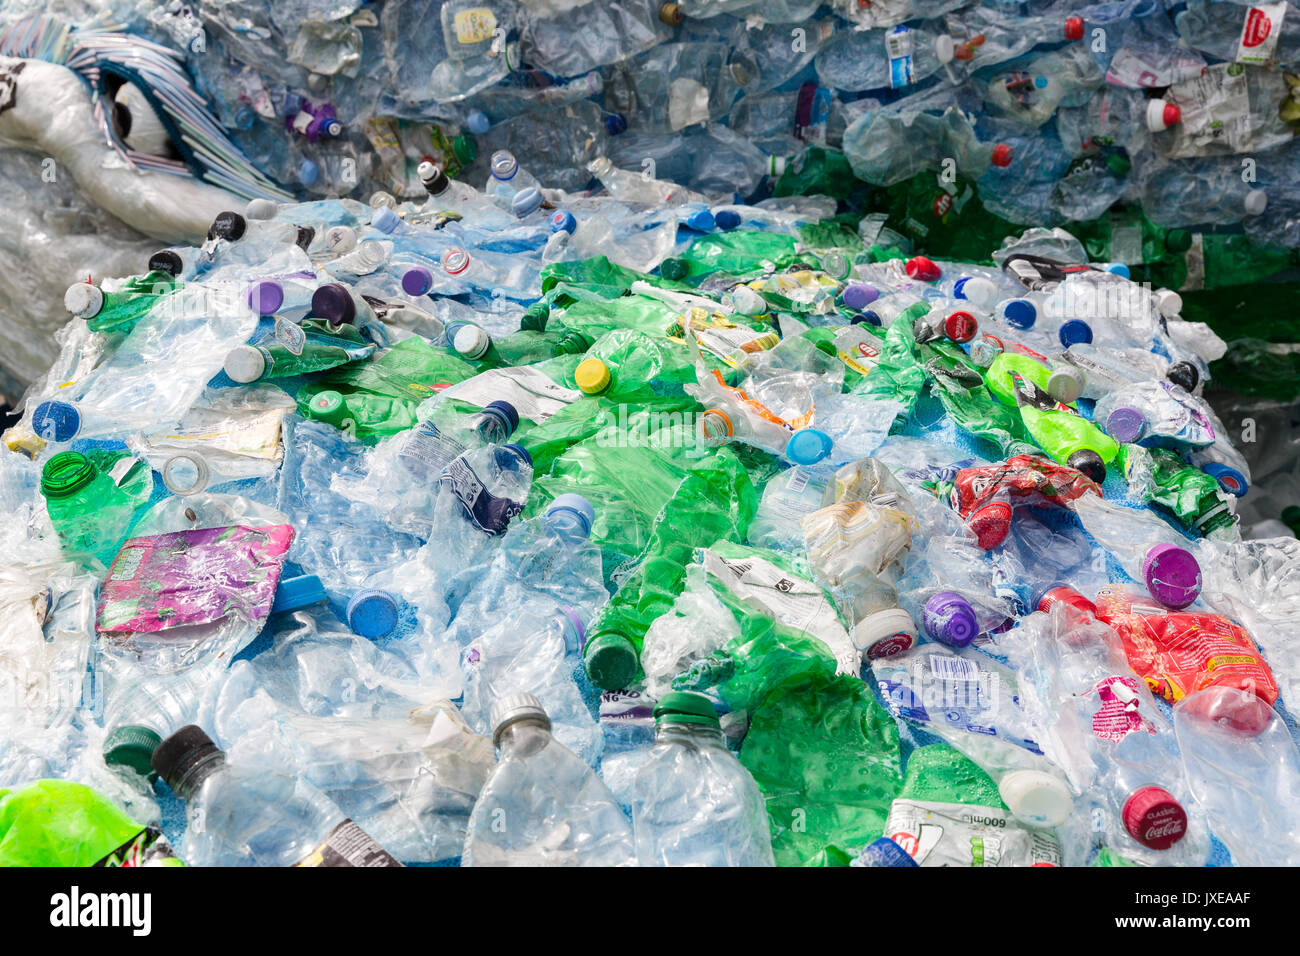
point(193, 577)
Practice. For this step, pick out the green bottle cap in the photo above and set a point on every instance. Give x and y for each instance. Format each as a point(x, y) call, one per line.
point(132, 746)
point(535, 317)
point(611, 660)
point(686, 707)
point(327, 405)
point(464, 149)
point(675, 269)
point(65, 474)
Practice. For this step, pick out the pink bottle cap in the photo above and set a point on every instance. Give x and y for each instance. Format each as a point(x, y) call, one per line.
point(1155, 818)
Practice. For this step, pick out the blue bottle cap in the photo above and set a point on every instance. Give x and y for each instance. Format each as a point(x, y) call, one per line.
point(266, 297)
point(308, 172)
point(56, 421)
point(477, 122)
point(385, 220)
point(859, 295)
point(808, 446)
point(957, 293)
point(1040, 82)
point(576, 505)
point(885, 852)
point(332, 128)
point(1020, 313)
point(1230, 479)
point(701, 221)
point(526, 201)
point(245, 118)
point(1118, 269)
point(294, 593)
point(865, 318)
point(505, 410)
point(726, 219)
point(615, 124)
point(1074, 332)
point(417, 281)
point(521, 451)
point(372, 613)
point(563, 221)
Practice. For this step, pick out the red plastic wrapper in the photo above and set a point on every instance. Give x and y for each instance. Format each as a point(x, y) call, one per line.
point(985, 495)
point(1181, 652)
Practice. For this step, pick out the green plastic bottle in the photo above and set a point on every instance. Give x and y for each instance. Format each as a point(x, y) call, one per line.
point(1063, 384)
point(60, 823)
point(957, 382)
point(119, 311)
point(313, 346)
point(1066, 436)
point(92, 499)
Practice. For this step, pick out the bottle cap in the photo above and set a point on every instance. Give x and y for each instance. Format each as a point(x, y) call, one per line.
point(535, 317)
point(83, 300)
point(1036, 798)
point(1256, 202)
point(611, 660)
point(726, 218)
point(433, 178)
point(577, 505)
point(1002, 154)
point(385, 220)
point(865, 318)
point(515, 451)
point(1126, 424)
point(477, 122)
point(922, 269)
point(372, 613)
point(857, 296)
point(1088, 463)
point(1074, 28)
point(808, 446)
point(417, 281)
point(1074, 332)
point(464, 149)
point(944, 48)
point(471, 341)
point(976, 289)
point(592, 376)
point(1230, 479)
point(1185, 375)
point(686, 707)
point(513, 708)
point(261, 209)
point(1172, 575)
point(960, 326)
point(746, 301)
point(1065, 384)
point(615, 123)
point(340, 239)
point(674, 268)
point(1155, 818)
point(885, 852)
point(1169, 303)
point(455, 261)
point(563, 221)
point(228, 225)
point(327, 405)
point(301, 591)
point(670, 14)
point(884, 633)
point(1019, 313)
point(266, 297)
point(1162, 115)
point(504, 165)
point(949, 619)
point(308, 172)
point(991, 524)
point(1117, 269)
point(245, 364)
point(701, 221)
point(526, 202)
point(56, 421)
point(65, 474)
point(836, 265)
point(165, 260)
point(132, 746)
point(181, 752)
point(334, 303)
point(505, 411)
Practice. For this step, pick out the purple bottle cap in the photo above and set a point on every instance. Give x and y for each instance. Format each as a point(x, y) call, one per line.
point(1172, 575)
point(333, 302)
point(266, 297)
point(858, 296)
point(949, 619)
point(417, 281)
point(1125, 424)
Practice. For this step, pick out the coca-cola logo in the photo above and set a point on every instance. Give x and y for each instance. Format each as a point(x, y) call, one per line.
point(1258, 27)
point(894, 644)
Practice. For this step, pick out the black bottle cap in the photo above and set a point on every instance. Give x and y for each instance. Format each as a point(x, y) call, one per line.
point(180, 752)
point(1089, 462)
point(228, 225)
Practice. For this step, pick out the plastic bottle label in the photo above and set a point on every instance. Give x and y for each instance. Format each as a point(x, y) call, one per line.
point(290, 335)
point(961, 834)
point(348, 845)
point(488, 512)
point(1215, 109)
point(474, 26)
point(429, 451)
point(898, 47)
point(1260, 33)
point(534, 395)
point(147, 848)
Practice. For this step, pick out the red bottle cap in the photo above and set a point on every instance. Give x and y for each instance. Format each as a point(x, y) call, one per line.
point(960, 326)
point(1074, 28)
point(919, 267)
point(1172, 114)
point(1002, 155)
point(991, 524)
point(1155, 818)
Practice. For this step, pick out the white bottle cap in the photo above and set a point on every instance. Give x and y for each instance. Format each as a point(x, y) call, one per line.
point(471, 341)
point(748, 302)
point(944, 47)
point(981, 291)
point(1065, 384)
point(83, 299)
point(245, 364)
point(884, 633)
point(600, 166)
point(340, 239)
point(776, 165)
point(1169, 302)
point(1256, 202)
point(260, 209)
point(1161, 115)
point(1037, 799)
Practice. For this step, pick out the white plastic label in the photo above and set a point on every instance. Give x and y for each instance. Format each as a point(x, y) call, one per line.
point(1260, 33)
point(529, 390)
point(960, 834)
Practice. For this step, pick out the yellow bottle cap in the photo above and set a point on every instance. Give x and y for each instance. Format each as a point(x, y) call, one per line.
point(592, 376)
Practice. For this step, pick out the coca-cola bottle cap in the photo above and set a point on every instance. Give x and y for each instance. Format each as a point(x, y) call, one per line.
point(1155, 818)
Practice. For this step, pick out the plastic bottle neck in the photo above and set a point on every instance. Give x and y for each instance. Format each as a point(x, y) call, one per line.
point(692, 735)
point(194, 778)
point(523, 738)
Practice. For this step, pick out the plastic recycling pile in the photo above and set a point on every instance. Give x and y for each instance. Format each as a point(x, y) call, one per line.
point(633, 529)
point(1165, 131)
